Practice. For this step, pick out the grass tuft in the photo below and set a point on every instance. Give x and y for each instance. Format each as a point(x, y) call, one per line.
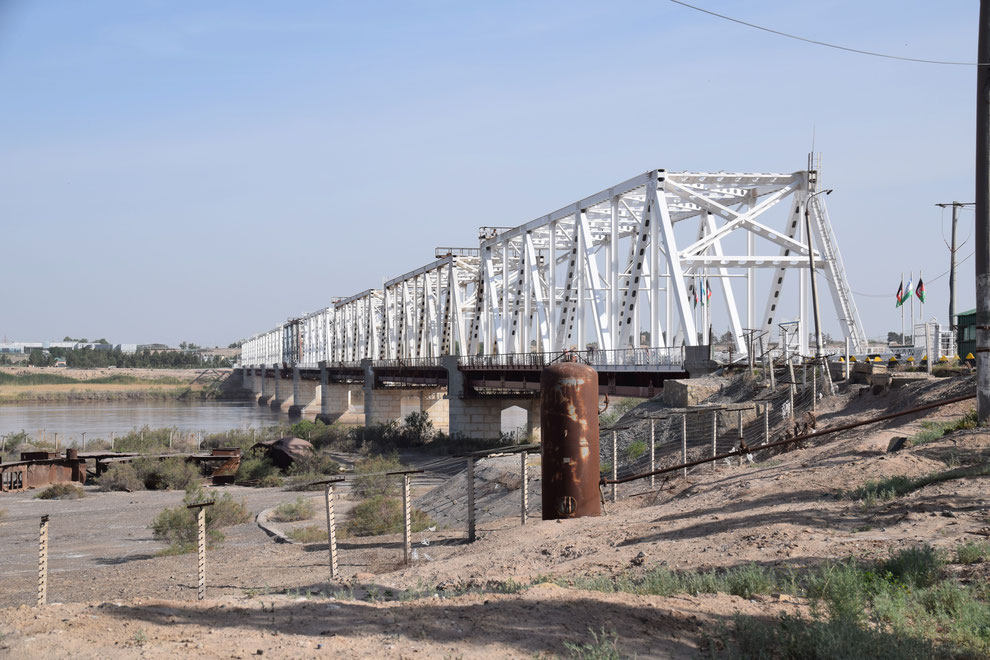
point(604, 646)
point(294, 511)
point(973, 552)
point(308, 534)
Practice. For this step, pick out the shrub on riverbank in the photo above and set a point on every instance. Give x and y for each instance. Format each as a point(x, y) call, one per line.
point(121, 476)
point(174, 473)
point(258, 470)
point(177, 525)
point(60, 492)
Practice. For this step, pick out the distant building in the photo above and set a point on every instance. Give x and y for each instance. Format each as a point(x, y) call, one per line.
point(127, 348)
point(11, 348)
point(60, 362)
point(966, 333)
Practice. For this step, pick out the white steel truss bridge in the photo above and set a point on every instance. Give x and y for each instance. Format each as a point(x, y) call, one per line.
point(632, 276)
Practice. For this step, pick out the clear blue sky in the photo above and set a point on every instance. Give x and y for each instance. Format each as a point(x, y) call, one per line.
point(202, 170)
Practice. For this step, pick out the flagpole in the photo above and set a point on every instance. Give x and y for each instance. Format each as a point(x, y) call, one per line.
point(901, 305)
point(911, 294)
point(921, 305)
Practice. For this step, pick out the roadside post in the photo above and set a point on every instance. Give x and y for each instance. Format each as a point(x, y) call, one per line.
point(331, 522)
point(43, 562)
point(201, 543)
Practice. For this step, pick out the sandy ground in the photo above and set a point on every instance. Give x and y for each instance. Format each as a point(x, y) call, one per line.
point(271, 598)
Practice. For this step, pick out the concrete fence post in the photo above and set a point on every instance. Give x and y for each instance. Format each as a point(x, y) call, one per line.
point(684, 442)
point(766, 422)
point(331, 530)
point(615, 462)
point(470, 494)
point(406, 522)
point(43, 562)
point(201, 544)
point(524, 486)
point(111, 440)
point(714, 437)
point(653, 452)
point(201, 551)
point(814, 388)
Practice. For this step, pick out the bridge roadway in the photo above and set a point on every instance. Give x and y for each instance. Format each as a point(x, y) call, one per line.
point(463, 395)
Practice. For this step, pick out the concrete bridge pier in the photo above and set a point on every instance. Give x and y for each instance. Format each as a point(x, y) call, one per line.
point(482, 417)
point(339, 402)
point(306, 395)
point(282, 399)
point(265, 388)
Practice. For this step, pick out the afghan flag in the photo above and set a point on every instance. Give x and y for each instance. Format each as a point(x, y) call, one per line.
point(693, 294)
point(900, 295)
point(708, 291)
point(921, 290)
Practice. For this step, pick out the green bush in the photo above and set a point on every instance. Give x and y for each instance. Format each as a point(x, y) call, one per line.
point(382, 515)
point(418, 429)
point(604, 646)
point(294, 511)
point(379, 484)
point(121, 476)
point(60, 492)
point(318, 463)
point(635, 449)
point(972, 552)
point(258, 470)
point(932, 431)
point(177, 526)
point(173, 473)
point(918, 566)
point(145, 439)
point(308, 534)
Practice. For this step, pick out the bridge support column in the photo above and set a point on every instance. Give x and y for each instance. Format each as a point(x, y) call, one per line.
point(305, 395)
point(283, 395)
point(265, 388)
point(436, 404)
point(482, 417)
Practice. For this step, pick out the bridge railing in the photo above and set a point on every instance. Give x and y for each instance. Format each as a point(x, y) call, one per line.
point(398, 363)
point(627, 357)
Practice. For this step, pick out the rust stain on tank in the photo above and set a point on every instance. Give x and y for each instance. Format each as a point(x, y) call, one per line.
point(569, 430)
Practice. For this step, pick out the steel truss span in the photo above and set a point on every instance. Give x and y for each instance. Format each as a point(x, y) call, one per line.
point(654, 262)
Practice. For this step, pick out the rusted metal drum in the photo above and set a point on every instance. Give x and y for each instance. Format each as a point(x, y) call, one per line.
point(569, 435)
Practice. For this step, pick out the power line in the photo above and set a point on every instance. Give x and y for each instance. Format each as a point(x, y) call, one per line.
point(933, 279)
point(825, 43)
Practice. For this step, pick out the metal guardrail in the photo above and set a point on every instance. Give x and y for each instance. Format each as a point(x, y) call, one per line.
point(626, 357)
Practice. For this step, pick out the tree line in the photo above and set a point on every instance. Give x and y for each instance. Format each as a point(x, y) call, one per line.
point(87, 358)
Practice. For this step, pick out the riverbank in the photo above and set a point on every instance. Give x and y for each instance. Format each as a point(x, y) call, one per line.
point(51, 384)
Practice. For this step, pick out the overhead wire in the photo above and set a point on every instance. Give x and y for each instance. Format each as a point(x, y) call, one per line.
point(827, 44)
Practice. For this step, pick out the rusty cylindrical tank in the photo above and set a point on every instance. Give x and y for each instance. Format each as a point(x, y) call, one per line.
point(569, 435)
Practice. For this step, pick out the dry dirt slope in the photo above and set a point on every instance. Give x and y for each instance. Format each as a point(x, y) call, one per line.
point(785, 511)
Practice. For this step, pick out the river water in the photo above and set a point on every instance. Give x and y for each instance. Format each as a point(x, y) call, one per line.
point(99, 419)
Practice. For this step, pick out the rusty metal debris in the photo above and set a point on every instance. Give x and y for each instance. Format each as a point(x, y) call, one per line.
point(38, 469)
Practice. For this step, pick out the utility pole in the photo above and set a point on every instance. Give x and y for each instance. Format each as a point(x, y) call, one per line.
point(952, 260)
point(982, 231)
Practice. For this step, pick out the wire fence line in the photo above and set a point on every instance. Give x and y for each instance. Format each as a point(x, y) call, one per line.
point(712, 429)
